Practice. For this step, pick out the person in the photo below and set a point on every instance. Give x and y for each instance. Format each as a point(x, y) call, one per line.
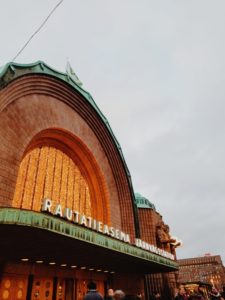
point(214, 294)
point(119, 295)
point(197, 294)
point(110, 294)
point(92, 293)
point(156, 296)
point(223, 293)
point(139, 296)
point(181, 295)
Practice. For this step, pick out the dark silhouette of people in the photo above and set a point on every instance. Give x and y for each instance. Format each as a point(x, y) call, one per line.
point(214, 294)
point(110, 294)
point(197, 294)
point(92, 293)
point(119, 295)
point(182, 295)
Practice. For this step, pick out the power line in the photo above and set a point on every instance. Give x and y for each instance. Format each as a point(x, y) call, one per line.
point(39, 28)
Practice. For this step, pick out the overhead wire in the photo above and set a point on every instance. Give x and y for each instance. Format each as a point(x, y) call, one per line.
point(39, 28)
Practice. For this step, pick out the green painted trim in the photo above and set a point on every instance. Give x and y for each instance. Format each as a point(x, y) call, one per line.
point(47, 222)
point(12, 71)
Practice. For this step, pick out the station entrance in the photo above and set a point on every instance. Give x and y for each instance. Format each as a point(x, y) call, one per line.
point(36, 287)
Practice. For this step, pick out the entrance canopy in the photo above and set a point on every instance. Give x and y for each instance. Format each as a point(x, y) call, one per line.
point(43, 237)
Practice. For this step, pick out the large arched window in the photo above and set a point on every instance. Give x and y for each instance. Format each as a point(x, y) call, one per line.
point(47, 172)
point(58, 166)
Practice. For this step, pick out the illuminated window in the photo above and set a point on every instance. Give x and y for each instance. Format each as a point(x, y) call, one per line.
point(47, 172)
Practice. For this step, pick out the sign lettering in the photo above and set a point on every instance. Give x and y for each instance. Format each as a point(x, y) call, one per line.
point(86, 221)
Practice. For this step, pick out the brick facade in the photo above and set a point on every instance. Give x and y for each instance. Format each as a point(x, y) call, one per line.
point(165, 283)
point(33, 104)
point(205, 269)
point(42, 114)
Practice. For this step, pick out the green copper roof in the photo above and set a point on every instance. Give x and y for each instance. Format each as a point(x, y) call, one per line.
point(12, 71)
point(143, 202)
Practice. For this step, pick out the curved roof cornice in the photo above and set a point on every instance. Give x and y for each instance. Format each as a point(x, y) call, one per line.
point(12, 71)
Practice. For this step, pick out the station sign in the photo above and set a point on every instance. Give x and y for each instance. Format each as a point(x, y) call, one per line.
point(89, 222)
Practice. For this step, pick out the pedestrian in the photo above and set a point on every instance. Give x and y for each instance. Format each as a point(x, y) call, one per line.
point(119, 295)
point(158, 296)
point(214, 294)
point(197, 294)
point(139, 296)
point(92, 293)
point(181, 295)
point(110, 294)
point(223, 293)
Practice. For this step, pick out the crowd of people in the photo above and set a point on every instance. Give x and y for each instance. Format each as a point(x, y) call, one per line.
point(182, 294)
point(199, 294)
point(93, 294)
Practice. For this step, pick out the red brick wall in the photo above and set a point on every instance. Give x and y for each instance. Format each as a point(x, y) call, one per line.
point(35, 103)
point(148, 218)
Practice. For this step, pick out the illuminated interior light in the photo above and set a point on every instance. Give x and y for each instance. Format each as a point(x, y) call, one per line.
point(24, 259)
point(99, 270)
point(73, 267)
point(112, 272)
point(52, 263)
point(39, 261)
point(91, 269)
point(83, 268)
point(63, 265)
point(106, 271)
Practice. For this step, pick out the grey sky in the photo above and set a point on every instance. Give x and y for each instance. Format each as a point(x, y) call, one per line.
point(156, 70)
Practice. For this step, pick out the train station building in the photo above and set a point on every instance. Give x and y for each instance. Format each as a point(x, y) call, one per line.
point(68, 212)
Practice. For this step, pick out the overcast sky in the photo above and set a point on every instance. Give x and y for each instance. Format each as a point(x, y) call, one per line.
point(156, 69)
